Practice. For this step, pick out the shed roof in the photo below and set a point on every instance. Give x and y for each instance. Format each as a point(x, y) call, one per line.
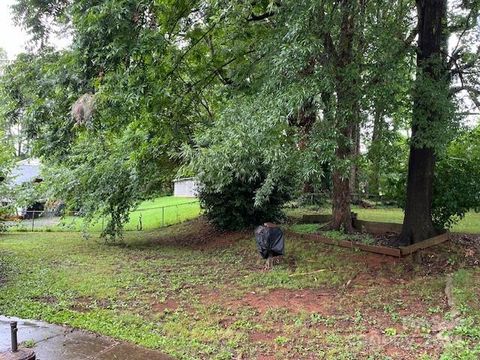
point(25, 171)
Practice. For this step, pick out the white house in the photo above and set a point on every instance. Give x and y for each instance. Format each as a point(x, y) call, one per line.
point(25, 172)
point(185, 187)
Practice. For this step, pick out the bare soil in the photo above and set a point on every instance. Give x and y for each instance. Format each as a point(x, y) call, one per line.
point(387, 239)
point(209, 287)
point(413, 325)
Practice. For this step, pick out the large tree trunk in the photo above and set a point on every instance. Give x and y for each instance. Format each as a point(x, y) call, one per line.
point(341, 198)
point(346, 118)
point(417, 224)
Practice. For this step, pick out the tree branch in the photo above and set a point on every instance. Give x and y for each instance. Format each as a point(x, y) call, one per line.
point(468, 88)
point(472, 91)
point(409, 39)
point(191, 47)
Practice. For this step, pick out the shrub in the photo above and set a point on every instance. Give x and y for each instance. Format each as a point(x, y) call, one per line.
point(232, 207)
point(457, 181)
point(247, 167)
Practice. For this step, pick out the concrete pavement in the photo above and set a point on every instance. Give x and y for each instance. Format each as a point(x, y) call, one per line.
point(52, 342)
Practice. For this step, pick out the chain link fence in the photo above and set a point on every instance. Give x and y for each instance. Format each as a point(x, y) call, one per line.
point(140, 219)
point(156, 217)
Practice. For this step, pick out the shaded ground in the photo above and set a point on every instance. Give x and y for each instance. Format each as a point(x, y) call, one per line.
point(196, 293)
point(52, 342)
point(469, 224)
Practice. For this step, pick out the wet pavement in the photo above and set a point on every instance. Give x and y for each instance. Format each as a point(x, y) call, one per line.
point(52, 342)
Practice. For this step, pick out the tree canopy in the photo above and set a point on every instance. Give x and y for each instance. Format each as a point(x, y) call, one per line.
point(271, 95)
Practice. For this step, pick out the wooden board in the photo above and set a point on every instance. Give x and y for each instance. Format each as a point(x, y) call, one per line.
point(407, 250)
point(361, 225)
point(383, 250)
point(374, 227)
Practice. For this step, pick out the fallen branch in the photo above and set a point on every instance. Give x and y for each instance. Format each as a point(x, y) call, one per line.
point(347, 284)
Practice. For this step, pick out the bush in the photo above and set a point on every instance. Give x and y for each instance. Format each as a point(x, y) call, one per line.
point(456, 186)
point(457, 181)
point(232, 207)
point(247, 166)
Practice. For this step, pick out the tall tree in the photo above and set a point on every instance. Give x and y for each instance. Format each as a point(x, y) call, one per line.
point(357, 36)
point(348, 111)
point(155, 69)
point(432, 85)
point(433, 105)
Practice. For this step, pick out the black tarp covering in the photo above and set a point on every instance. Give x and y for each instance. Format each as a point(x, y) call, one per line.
point(270, 241)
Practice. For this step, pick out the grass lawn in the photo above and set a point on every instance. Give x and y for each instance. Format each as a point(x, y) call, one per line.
point(196, 293)
point(469, 224)
point(150, 213)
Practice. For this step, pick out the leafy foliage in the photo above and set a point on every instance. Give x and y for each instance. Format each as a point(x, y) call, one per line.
point(386, 167)
point(233, 206)
point(6, 162)
point(244, 85)
point(247, 166)
point(142, 64)
point(457, 180)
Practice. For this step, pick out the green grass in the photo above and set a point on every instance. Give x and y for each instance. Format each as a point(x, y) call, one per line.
point(470, 224)
point(466, 333)
point(181, 209)
point(176, 210)
point(150, 213)
point(165, 201)
point(195, 296)
point(331, 234)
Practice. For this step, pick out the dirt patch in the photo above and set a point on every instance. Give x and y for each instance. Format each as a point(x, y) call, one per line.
point(390, 239)
point(258, 336)
point(86, 303)
point(375, 261)
point(266, 357)
point(461, 251)
point(201, 235)
point(167, 305)
point(45, 299)
point(310, 300)
point(295, 301)
point(469, 246)
point(466, 247)
point(227, 321)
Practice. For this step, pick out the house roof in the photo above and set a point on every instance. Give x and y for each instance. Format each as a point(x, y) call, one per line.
point(25, 171)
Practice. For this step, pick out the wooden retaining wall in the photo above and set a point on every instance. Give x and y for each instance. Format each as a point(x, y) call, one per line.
point(374, 227)
point(371, 227)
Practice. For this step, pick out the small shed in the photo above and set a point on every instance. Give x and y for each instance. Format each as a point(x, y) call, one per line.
point(185, 187)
